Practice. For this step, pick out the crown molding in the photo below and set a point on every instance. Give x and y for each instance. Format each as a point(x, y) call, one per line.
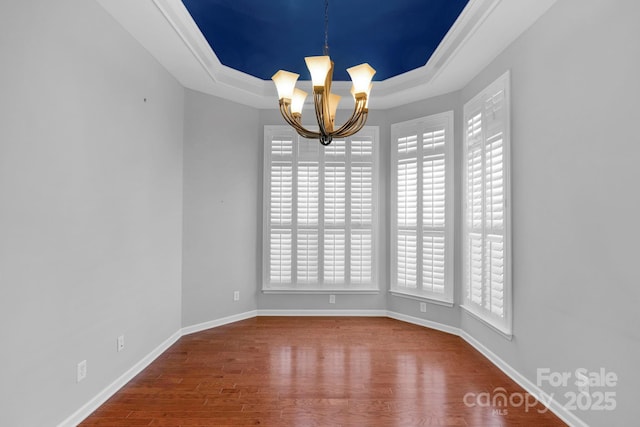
point(483, 29)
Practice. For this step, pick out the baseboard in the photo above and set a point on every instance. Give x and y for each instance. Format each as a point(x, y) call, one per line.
point(86, 410)
point(346, 313)
point(219, 322)
point(424, 322)
point(554, 406)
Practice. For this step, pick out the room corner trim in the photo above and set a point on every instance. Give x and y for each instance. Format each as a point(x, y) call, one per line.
point(424, 322)
point(218, 322)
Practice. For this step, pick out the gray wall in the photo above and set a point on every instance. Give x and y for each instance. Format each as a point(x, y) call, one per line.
point(223, 165)
point(575, 175)
point(90, 211)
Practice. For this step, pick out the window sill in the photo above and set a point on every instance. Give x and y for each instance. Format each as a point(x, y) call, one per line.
point(503, 332)
point(365, 291)
point(444, 303)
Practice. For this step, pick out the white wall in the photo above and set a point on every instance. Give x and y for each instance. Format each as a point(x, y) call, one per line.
point(90, 205)
point(575, 176)
point(223, 165)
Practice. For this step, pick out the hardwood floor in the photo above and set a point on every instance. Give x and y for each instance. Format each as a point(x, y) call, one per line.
point(319, 371)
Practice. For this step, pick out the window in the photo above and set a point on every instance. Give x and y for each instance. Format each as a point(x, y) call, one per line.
point(486, 236)
point(422, 224)
point(320, 220)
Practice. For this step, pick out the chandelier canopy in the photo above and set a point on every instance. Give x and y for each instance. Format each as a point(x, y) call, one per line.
point(291, 99)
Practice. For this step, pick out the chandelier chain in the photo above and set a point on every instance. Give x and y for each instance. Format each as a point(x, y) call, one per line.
point(325, 48)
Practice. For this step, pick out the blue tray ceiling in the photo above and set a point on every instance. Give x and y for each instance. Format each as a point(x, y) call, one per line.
point(260, 37)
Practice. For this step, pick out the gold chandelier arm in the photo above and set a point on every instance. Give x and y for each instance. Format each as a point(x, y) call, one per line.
point(359, 124)
point(356, 121)
point(319, 101)
point(294, 120)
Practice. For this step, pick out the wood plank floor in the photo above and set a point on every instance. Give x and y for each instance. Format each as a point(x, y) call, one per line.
point(318, 371)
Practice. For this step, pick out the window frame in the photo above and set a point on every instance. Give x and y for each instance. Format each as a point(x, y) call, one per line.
point(502, 325)
point(321, 287)
point(404, 129)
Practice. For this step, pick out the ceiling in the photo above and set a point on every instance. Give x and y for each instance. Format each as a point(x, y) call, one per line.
point(261, 37)
point(261, 28)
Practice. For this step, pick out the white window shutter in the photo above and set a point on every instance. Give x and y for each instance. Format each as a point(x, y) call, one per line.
point(361, 256)
point(361, 147)
point(474, 268)
point(422, 216)
point(475, 188)
point(281, 147)
point(433, 262)
point(280, 256)
point(408, 144)
point(320, 217)
point(407, 260)
point(494, 281)
point(361, 194)
point(407, 192)
point(281, 193)
point(334, 193)
point(487, 239)
point(307, 193)
point(494, 183)
point(433, 188)
point(334, 256)
point(307, 256)
point(337, 148)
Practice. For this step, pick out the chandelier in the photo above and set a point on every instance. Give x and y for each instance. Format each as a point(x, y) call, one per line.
point(291, 99)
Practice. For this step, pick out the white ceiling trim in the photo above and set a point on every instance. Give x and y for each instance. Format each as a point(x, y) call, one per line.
point(483, 29)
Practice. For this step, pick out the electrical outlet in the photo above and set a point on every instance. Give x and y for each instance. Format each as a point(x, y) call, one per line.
point(236, 295)
point(423, 307)
point(332, 299)
point(81, 371)
point(121, 343)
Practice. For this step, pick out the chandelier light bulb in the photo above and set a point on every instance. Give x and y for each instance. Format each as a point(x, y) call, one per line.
point(319, 67)
point(285, 83)
point(298, 101)
point(361, 76)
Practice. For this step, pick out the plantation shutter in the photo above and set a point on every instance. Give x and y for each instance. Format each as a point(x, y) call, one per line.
point(420, 157)
point(361, 209)
point(281, 209)
point(486, 229)
point(407, 248)
point(433, 210)
point(308, 216)
point(320, 212)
